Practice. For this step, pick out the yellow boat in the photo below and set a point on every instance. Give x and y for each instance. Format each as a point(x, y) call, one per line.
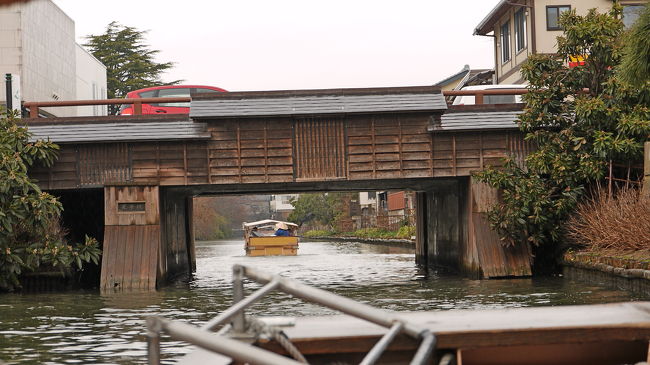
point(261, 239)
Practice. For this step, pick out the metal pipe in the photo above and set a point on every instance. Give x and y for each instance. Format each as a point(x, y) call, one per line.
point(153, 341)
point(381, 346)
point(425, 350)
point(239, 306)
point(239, 323)
point(342, 304)
point(240, 351)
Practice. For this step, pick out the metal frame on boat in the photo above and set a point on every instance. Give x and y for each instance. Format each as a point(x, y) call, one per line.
point(592, 334)
point(241, 352)
point(261, 241)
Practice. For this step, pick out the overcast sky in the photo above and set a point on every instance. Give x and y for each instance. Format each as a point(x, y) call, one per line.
point(301, 44)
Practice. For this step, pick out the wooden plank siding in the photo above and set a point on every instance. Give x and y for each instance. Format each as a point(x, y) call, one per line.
point(285, 150)
point(132, 236)
point(483, 250)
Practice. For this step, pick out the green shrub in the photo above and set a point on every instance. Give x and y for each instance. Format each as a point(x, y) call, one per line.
point(318, 233)
point(406, 232)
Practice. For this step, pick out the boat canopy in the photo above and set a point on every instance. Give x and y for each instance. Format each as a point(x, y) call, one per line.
point(267, 222)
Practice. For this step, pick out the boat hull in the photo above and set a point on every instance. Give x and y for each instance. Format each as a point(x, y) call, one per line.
point(272, 246)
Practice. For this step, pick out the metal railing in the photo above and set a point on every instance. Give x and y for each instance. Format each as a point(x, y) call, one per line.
point(34, 106)
point(202, 337)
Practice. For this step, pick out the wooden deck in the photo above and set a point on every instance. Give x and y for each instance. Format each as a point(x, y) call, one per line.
point(593, 334)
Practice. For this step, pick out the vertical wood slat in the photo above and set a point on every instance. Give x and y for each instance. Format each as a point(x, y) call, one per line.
point(131, 240)
point(453, 154)
point(99, 164)
point(239, 151)
point(320, 148)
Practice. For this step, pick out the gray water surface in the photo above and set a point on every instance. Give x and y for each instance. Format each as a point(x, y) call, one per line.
point(94, 328)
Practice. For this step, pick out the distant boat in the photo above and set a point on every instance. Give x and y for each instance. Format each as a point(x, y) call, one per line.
point(262, 239)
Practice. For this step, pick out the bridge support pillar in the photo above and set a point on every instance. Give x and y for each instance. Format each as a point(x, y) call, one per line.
point(483, 253)
point(445, 222)
point(132, 237)
point(177, 239)
point(457, 235)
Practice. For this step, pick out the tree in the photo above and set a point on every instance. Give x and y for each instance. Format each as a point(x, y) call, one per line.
point(635, 67)
point(577, 133)
point(30, 235)
point(129, 62)
point(320, 207)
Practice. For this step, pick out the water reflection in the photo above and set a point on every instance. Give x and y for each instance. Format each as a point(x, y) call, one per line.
point(93, 328)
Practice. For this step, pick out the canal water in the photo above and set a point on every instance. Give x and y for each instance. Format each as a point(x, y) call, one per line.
point(94, 328)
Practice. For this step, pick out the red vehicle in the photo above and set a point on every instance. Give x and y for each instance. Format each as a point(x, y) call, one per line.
point(168, 91)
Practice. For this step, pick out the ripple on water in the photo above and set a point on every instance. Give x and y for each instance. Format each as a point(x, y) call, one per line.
point(93, 328)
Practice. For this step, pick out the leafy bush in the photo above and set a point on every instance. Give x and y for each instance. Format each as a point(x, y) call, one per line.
point(618, 223)
point(30, 233)
point(577, 133)
point(318, 233)
point(406, 232)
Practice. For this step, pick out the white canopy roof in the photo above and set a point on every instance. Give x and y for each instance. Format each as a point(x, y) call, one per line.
point(268, 222)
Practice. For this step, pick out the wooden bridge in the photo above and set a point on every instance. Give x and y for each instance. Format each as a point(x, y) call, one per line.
point(144, 170)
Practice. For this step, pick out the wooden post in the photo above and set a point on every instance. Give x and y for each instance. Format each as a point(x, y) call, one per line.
point(421, 228)
point(484, 253)
point(646, 170)
point(131, 237)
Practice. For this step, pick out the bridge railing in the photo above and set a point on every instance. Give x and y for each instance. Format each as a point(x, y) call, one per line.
point(34, 106)
point(480, 94)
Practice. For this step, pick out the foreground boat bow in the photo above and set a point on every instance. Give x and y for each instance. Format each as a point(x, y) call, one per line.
point(594, 334)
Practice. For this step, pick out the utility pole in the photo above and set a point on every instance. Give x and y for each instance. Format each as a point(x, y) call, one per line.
point(9, 93)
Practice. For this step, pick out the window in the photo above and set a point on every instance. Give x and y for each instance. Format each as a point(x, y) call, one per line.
point(520, 29)
point(505, 42)
point(499, 99)
point(553, 16)
point(174, 93)
point(631, 13)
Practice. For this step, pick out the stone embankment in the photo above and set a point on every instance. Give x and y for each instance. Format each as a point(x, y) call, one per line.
point(383, 241)
point(623, 267)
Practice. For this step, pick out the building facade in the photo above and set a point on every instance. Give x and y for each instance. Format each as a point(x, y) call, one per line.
point(37, 43)
point(280, 205)
point(524, 27)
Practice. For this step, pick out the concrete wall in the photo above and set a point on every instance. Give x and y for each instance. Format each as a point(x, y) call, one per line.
point(91, 82)
point(48, 49)
point(10, 45)
point(37, 42)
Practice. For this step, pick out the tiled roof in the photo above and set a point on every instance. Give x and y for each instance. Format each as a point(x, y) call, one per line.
point(321, 102)
point(122, 131)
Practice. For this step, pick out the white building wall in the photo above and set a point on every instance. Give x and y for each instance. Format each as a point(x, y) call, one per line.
point(10, 45)
point(37, 42)
point(280, 203)
point(365, 200)
point(91, 82)
point(48, 43)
